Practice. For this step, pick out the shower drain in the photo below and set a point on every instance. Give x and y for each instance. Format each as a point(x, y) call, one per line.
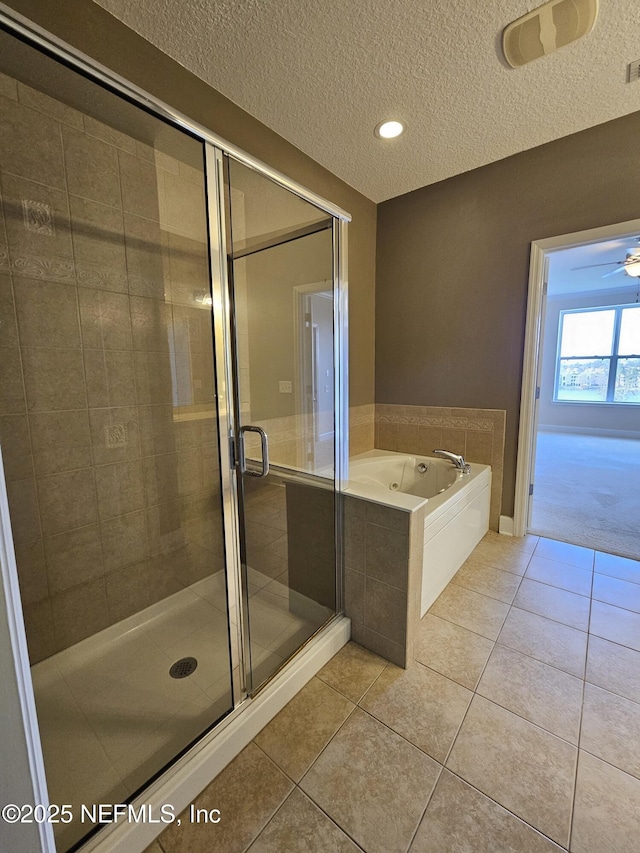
point(183, 667)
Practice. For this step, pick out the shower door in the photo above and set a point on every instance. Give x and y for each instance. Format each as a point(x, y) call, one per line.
point(281, 259)
point(109, 430)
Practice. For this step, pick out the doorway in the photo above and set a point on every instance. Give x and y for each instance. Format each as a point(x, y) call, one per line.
point(579, 449)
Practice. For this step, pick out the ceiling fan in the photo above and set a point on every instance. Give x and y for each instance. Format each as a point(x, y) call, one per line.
point(630, 265)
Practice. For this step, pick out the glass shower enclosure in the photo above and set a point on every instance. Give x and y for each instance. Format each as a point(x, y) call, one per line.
point(171, 418)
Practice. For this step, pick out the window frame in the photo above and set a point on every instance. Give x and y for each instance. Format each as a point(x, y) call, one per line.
point(613, 358)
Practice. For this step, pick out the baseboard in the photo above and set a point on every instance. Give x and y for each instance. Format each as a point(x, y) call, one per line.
point(506, 525)
point(189, 776)
point(605, 433)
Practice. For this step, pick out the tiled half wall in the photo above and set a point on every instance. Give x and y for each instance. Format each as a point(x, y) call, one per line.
point(477, 434)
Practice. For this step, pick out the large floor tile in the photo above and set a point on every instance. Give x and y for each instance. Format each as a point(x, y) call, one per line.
point(610, 728)
point(540, 693)
point(525, 769)
point(460, 819)
point(300, 827)
point(502, 555)
point(617, 567)
point(607, 809)
point(615, 624)
point(548, 641)
point(421, 705)
point(561, 575)
point(247, 793)
point(471, 610)
point(487, 580)
point(614, 667)
point(451, 650)
point(296, 736)
point(556, 604)
point(617, 592)
point(352, 671)
point(563, 552)
point(373, 783)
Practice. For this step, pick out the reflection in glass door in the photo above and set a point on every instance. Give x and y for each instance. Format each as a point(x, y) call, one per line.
point(281, 271)
point(108, 425)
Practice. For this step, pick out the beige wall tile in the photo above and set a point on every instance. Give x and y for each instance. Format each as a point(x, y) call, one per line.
point(385, 610)
point(150, 323)
point(454, 440)
point(479, 447)
point(61, 441)
point(388, 517)
point(96, 128)
point(354, 595)
point(157, 430)
point(407, 438)
point(36, 219)
point(23, 510)
point(387, 436)
point(8, 326)
point(164, 527)
point(47, 314)
point(49, 106)
point(153, 378)
point(120, 488)
point(31, 144)
point(146, 257)
point(38, 624)
point(133, 588)
point(161, 478)
point(32, 572)
point(139, 186)
point(12, 392)
point(124, 540)
point(114, 434)
point(105, 320)
point(8, 87)
point(91, 168)
point(67, 501)
point(79, 612)
point(110, 376)
point(98, 237)
point(15, 443)
point(185, 205)
point(429, 439)
point(387, 556)
point(73, 557)
point(54, 379)
point(188, 263)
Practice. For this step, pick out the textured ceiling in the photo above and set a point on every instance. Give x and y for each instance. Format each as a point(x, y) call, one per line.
point(322, 75)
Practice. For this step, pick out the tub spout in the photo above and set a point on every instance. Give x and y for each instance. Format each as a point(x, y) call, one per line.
point(455, 459)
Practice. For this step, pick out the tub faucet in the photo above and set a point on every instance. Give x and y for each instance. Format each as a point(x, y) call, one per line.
point(455, 459)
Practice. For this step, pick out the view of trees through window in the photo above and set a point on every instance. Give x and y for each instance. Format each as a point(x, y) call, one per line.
point(599, 356)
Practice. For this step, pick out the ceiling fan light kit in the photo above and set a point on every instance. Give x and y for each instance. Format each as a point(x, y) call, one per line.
point(549, 27)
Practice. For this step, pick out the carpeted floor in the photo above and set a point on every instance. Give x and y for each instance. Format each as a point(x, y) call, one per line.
point(587, 492)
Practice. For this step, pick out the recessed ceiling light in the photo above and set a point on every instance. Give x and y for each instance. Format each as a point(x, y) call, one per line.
point(389, 129)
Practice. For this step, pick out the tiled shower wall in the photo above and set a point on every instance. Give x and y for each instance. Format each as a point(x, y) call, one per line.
point(107, 419)
point(477, 434)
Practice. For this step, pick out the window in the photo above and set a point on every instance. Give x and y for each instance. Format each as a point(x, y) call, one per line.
point(599, 356)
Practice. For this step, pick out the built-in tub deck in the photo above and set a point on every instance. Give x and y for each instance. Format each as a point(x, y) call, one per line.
point(410, 523)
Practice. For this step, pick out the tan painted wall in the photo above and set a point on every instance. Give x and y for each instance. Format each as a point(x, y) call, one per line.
point(101, 36)
point(453, 264)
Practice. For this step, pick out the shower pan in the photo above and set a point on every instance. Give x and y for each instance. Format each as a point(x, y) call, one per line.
point(171, 422)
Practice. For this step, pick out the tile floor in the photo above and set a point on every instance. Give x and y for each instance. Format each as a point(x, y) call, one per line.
point(517, 729)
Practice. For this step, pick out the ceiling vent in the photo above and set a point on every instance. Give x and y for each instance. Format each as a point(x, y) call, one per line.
point(547, 28)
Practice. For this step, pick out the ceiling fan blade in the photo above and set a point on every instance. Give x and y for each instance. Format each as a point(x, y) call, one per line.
point(613, 272)
point(590, 266)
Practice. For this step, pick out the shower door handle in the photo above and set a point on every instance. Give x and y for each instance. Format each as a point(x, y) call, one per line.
point(264, 442)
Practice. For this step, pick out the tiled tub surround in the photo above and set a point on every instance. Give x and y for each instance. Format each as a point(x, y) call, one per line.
point(399, 558)
point(514, 730)
point(477, 434)
point(107, 417)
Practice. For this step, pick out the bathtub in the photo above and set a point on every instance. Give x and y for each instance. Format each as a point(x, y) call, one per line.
point(452, 507)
